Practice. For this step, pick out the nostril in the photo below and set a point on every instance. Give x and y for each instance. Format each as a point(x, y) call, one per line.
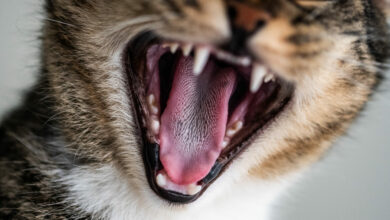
point(259, 25)
point(247, 17)
point(232, 13)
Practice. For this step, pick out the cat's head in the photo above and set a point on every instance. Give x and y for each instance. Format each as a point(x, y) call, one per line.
point(188, 98)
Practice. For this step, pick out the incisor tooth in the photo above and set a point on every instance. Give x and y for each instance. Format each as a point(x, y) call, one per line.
point(153, 109)
point(151, 99)
point(258, 73)
point(174, 47)
point(193, 189)
point(201, 57)
point(152, 104)
point(161, 180)
point(225, 143)
point(234, 129)
point(155, 126)
point(269, 77)
point(187, 48)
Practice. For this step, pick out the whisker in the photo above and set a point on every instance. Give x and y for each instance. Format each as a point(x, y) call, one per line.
point(60, 22)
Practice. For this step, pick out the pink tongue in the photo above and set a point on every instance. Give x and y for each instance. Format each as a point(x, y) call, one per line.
point(193, 124)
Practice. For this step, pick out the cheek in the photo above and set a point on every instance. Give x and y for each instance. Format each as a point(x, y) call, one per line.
point(273, 38)
point(271, 46)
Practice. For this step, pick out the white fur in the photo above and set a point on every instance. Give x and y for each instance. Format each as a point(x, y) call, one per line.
point(108, 195)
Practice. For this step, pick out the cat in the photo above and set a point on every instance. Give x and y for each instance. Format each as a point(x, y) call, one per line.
point(185, 109)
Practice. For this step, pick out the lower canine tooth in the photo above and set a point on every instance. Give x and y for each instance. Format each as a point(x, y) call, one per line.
point(193, 189)
point(258, 73)
point(161, 180)
point(201, 57)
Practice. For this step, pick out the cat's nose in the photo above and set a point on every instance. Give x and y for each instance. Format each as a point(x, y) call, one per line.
point(246, 17)
point(245, 20)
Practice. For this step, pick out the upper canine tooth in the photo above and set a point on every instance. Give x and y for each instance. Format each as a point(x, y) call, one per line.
point(174, 47)
point(161, 180)
point(187, 48)
point(258, 73)
point(269, 77)
point(201, 57)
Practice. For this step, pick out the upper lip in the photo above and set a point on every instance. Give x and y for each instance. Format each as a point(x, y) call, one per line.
point(151, 150)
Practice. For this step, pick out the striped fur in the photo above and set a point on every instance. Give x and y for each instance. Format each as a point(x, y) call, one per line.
point(72, 150)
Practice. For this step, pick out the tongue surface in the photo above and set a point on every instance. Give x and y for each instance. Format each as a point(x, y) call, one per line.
point(193, 124)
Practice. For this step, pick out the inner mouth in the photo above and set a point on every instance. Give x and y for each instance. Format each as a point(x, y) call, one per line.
point(198, 107)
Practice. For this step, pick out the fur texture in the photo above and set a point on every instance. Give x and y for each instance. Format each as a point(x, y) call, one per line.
point(73, 150)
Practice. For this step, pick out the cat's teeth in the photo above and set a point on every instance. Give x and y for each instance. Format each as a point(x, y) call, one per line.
point(154, 110)
point(269, 77)
point(193, 189)
point(225, 143)
point(152, 104)
point(151, 99)
point(161, 180)
point(246, 61)
point(187, 48)
point(155, 126)
point(234, 129)
point(174, 47)
point(258, 73)
point(201, 57)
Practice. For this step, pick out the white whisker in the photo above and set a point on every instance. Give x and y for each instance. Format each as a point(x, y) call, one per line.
point(60, 22)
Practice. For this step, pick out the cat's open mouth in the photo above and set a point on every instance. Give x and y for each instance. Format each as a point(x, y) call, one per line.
point(198, 107)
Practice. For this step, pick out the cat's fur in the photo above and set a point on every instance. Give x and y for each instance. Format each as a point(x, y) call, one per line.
point(72, 150)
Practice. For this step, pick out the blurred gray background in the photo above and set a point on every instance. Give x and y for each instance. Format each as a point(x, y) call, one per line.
point(351, 183)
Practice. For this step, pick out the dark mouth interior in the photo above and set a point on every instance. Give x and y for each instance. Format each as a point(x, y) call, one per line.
point(261, 107)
